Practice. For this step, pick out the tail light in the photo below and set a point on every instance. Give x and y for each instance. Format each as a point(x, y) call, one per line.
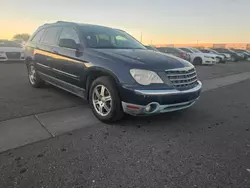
point(183, 54)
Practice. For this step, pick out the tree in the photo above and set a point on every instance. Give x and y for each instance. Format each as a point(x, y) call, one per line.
point(22, 37)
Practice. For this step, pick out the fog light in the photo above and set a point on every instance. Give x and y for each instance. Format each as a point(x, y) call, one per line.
point(148, 108)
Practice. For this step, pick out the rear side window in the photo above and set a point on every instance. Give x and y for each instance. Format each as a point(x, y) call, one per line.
point(38, 36)
point(70, 33)
point(50, 36)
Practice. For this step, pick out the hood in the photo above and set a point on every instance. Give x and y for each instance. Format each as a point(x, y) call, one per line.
point(11, 49)
point(147, 59)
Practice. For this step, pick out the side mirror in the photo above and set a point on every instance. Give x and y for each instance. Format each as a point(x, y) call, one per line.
point(68, 43)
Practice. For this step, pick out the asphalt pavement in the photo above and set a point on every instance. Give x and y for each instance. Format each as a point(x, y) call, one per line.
point(207, 145)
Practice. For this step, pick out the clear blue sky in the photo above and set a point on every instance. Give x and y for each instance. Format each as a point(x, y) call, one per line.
point(162, 21)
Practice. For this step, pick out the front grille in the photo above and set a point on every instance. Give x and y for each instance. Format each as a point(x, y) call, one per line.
point(13, 55)
point(182, 78)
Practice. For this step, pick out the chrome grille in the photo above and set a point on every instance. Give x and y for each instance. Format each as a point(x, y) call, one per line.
point(13, 55)
point(182, 78)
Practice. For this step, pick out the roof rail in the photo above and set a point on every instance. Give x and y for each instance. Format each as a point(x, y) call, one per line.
point(63, 22)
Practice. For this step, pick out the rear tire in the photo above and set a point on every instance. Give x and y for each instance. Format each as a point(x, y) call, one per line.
point(197, 61)
point(233, 59)
point(105, 101)
point(34, 78)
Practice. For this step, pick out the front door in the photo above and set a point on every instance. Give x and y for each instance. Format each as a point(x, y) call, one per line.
point(68, 65)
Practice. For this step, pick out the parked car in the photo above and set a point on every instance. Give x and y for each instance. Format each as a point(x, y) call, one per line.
point(111, 69)
point(227, 56)
point(221, 57)
point(243, 53)
point(199, 58)
point(149, 47)
point(234, 56)
point(11, 51)
point(176, 52)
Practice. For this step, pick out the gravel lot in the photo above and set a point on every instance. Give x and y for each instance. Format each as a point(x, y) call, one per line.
point(205, 146)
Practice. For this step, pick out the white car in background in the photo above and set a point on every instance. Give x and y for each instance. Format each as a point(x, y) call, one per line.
point(11, 51)
point(222, 57)
point(228, 56)
point(199, 58)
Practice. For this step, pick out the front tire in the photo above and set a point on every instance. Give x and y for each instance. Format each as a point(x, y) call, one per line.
point(34, 79)
point(105, 101)
point(234, 59)
point(197, 61)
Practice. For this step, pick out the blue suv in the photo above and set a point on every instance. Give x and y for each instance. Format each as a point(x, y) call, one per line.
point(111, 69)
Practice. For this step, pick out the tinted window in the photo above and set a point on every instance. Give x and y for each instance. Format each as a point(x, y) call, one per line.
point(38, 36)
point(102, 37)
point(70, 33)
point(50, 36)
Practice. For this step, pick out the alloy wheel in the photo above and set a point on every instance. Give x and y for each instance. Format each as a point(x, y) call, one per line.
point(32, 74)
point(102, 100)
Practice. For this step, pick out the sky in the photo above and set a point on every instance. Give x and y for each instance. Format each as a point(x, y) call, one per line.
point(159, 21)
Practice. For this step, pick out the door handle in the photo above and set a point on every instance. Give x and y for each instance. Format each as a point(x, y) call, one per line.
point(55, 52)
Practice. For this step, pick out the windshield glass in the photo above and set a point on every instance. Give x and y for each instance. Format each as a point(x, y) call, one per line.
point(151, 48)
point(195, 50)
point(102, 37)
point(6, 43)
point(186, 50)
point(231, 51)
point(213, 51)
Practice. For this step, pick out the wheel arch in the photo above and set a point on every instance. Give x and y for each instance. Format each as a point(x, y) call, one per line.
point(94, 73)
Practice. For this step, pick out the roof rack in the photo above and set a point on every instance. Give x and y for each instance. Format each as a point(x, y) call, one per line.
point(64, 22)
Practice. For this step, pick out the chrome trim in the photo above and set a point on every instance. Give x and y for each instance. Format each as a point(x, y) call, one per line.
point(182, 74)
point(184, 83)
point(42, 65)
point(189, 78)
point(181, 69)
point(169, 91)
point(62, 72)
point(81, 90)
point(160, 108)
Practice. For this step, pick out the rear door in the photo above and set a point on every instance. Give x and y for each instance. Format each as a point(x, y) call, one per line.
point(68, 66)
point(44, 52)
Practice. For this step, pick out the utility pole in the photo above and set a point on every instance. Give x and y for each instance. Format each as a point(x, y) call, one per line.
point(141, 37)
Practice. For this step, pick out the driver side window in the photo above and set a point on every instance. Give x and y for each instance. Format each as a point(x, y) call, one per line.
point(70, 33)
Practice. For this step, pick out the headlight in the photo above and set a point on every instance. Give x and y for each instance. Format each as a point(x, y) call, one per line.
point(145, 77)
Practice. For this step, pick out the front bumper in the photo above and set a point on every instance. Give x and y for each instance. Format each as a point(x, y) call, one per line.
point(147, 102)
point(4, 58)
point(210, 61)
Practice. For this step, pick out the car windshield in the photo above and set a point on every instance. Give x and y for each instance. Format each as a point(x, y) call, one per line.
point(231, 51)
point(213, 51)
point(102, 37)
point(6, 43)
point(195, 50)
point(151, 48)
point(186, 50)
